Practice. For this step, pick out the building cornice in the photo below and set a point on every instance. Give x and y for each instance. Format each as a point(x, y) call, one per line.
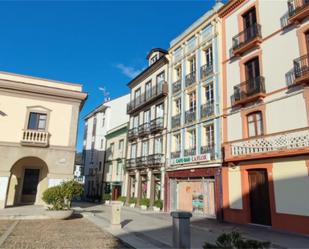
point(229, 7)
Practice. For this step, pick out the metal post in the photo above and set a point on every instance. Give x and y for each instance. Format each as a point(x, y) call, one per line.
point(181, 230)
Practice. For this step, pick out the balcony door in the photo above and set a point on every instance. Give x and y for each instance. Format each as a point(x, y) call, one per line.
point(192, 101)
point(208, 54)
point(137, 96)
point(307, 39)
point(160, 81)
point(148, 90)
point(30, 185)
point(249, 21)
point(147, 117)
point(159, 110)
point(252, 71)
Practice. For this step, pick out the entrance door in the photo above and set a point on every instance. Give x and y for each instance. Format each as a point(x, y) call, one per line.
point(259, 197)
point(116, 192)
point(31, 180)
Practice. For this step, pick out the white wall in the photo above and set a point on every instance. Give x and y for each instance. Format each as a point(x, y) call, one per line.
point(235, 193)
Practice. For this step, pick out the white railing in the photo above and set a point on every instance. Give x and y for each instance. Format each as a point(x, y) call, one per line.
point(35, 137)
point(290, 140)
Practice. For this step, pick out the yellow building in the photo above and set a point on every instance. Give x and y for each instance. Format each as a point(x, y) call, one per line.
point(38, 127)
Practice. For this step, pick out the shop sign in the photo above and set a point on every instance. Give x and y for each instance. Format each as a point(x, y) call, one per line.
point(191, 159)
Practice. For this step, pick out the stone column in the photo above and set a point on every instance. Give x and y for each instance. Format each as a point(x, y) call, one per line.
point(162, 185)
point(138, 187)
point(149, 183)
point(128, 187)
point(152, 188)
point(181, 230)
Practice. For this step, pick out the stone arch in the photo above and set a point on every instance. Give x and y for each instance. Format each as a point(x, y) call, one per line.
point(27, 182)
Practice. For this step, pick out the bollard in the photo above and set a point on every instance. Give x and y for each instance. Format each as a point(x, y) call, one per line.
point(181, 230)
point(116, 213)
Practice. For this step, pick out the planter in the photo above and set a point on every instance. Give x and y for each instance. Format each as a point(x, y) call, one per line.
point(132, 205)
point(143, 207)
point(157, 209)
point(59, 214)
point(107, 202)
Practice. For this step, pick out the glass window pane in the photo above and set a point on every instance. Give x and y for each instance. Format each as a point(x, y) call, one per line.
point(32, 121)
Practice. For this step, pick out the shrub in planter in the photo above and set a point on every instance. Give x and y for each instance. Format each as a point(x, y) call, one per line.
point(132, 200)
point(107, 197)
point(158, 204)
point(122, 199)
point(144, 202)
point(234, 240)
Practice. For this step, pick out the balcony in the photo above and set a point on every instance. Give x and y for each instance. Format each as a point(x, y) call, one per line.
point(158, 91)
point(249, 91)
point(176, 121)
point(190, 78)
point(176, 86)
point(190, 116)
point(301, 70)
point(144, 129)
point(131, 163)
point(133, 133)
point(210, 150)
point(175, 154)
point(294, 142)
point(157, 125)
point(208, 109)
point(298, 10)
point(247, 39)
point(35, 138)
point(141, 161)
point(155, 159)
point(190, 152)
point(206, 71)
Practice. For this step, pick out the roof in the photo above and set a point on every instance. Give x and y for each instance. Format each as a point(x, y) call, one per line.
point(156, 50)
point(99, 108)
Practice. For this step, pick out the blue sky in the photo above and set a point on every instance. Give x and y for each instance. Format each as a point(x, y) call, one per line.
point(96, 43)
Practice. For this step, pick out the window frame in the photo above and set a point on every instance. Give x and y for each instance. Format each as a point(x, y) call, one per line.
point(255, 122)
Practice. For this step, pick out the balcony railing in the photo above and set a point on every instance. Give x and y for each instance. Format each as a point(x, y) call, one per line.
point(190, 78)
point(157, 124)
point(176, 121)
point(161, 89)
point(176, 86)
point(247, 39)
point(190, 152)
point(277, 144)
point(144, 129)
point(298, 10)
point(131, 163)
point(301, 69)
point(190, 116)
point(175, 154)
point(208, 109)
point(35, 138)
point(141, 161)
point(155, 159)
point(249, 90)
point(209, 149)
point(133, 133)
point(206, 70)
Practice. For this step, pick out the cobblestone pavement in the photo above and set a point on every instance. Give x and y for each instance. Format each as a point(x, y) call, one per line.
point(55, 234)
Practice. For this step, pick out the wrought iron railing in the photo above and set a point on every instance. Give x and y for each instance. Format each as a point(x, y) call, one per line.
point(206, 70)
point(301, 66)
point(176, 120)
point(157, 124)
point(141, 161)
point(208, 109)
point(176, 86)
point(296, 6)
point(131, 163)
point(209, 149)
point(133, 133)
point(190, 78)
point(246, 36)
point(190, 116)
point(175, 154)
point(190, 152)
point(144, 129)
point(155, 159)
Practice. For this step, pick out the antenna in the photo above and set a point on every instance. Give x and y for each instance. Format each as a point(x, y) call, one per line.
point(105, 94)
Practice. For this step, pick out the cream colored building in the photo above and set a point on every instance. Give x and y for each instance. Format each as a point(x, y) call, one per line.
point(116, 148)
point(38, 127)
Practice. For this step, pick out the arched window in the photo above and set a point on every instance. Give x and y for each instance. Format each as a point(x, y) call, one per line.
point(255, 124)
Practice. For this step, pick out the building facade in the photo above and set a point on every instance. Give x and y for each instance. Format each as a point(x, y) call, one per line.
point(193, 181)
point(265, 128)
point(103, 118)
point(147, 131)
point(38, 120)
point(116, 148)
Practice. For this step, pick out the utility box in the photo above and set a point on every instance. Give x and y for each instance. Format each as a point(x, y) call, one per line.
point(116, 214)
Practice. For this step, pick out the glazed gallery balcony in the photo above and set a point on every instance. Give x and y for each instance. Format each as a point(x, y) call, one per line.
point(298, 10)
point(293, 142)
point(247, 39)
point(158, 91)
point(190, 78)
point(301, 70)
point(176, 87)
point(249, 91)
point(208, 109)
point(206, 71)
point(35, 138)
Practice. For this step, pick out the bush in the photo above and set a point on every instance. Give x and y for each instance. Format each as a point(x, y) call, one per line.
point(122, 199)
point(61, 196)
point(236, 241)
point(144, 202)
point(107, 197)
point(132, 200)
point(158, 204)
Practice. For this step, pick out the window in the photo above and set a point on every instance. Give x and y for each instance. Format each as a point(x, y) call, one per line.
point(255, 124)
point(208, 54)
point(159, 110)
point(120, 145)
point(133, 150)
point(103, 121)
point(178, 105)
point(37, 121)
point(135, 122)
point(102, 143)
point(307, 40)
point(137, 96)
point(209, 130)
point(192, 138)
point(209, 93)
point(252, 69)
point(145, 148)
point(192, 101)
point(148, 90)
point(177, 139)
point(119, 168)
point(147, 116)
point(158, 145)
point(192, 64)
point(249, 18)
point(160, 81)
point(100, 166)
point(112, 149)
point(178, 72)
point(94, 127)
point(154, 58)
point(85, 131)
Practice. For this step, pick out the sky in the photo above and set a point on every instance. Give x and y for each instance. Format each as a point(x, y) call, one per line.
point(95, 43)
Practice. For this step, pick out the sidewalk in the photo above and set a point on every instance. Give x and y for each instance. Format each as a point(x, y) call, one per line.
point(142, 229)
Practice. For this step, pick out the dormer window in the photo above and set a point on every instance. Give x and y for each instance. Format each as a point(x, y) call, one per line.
point(37, 121)
point(153, 59)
